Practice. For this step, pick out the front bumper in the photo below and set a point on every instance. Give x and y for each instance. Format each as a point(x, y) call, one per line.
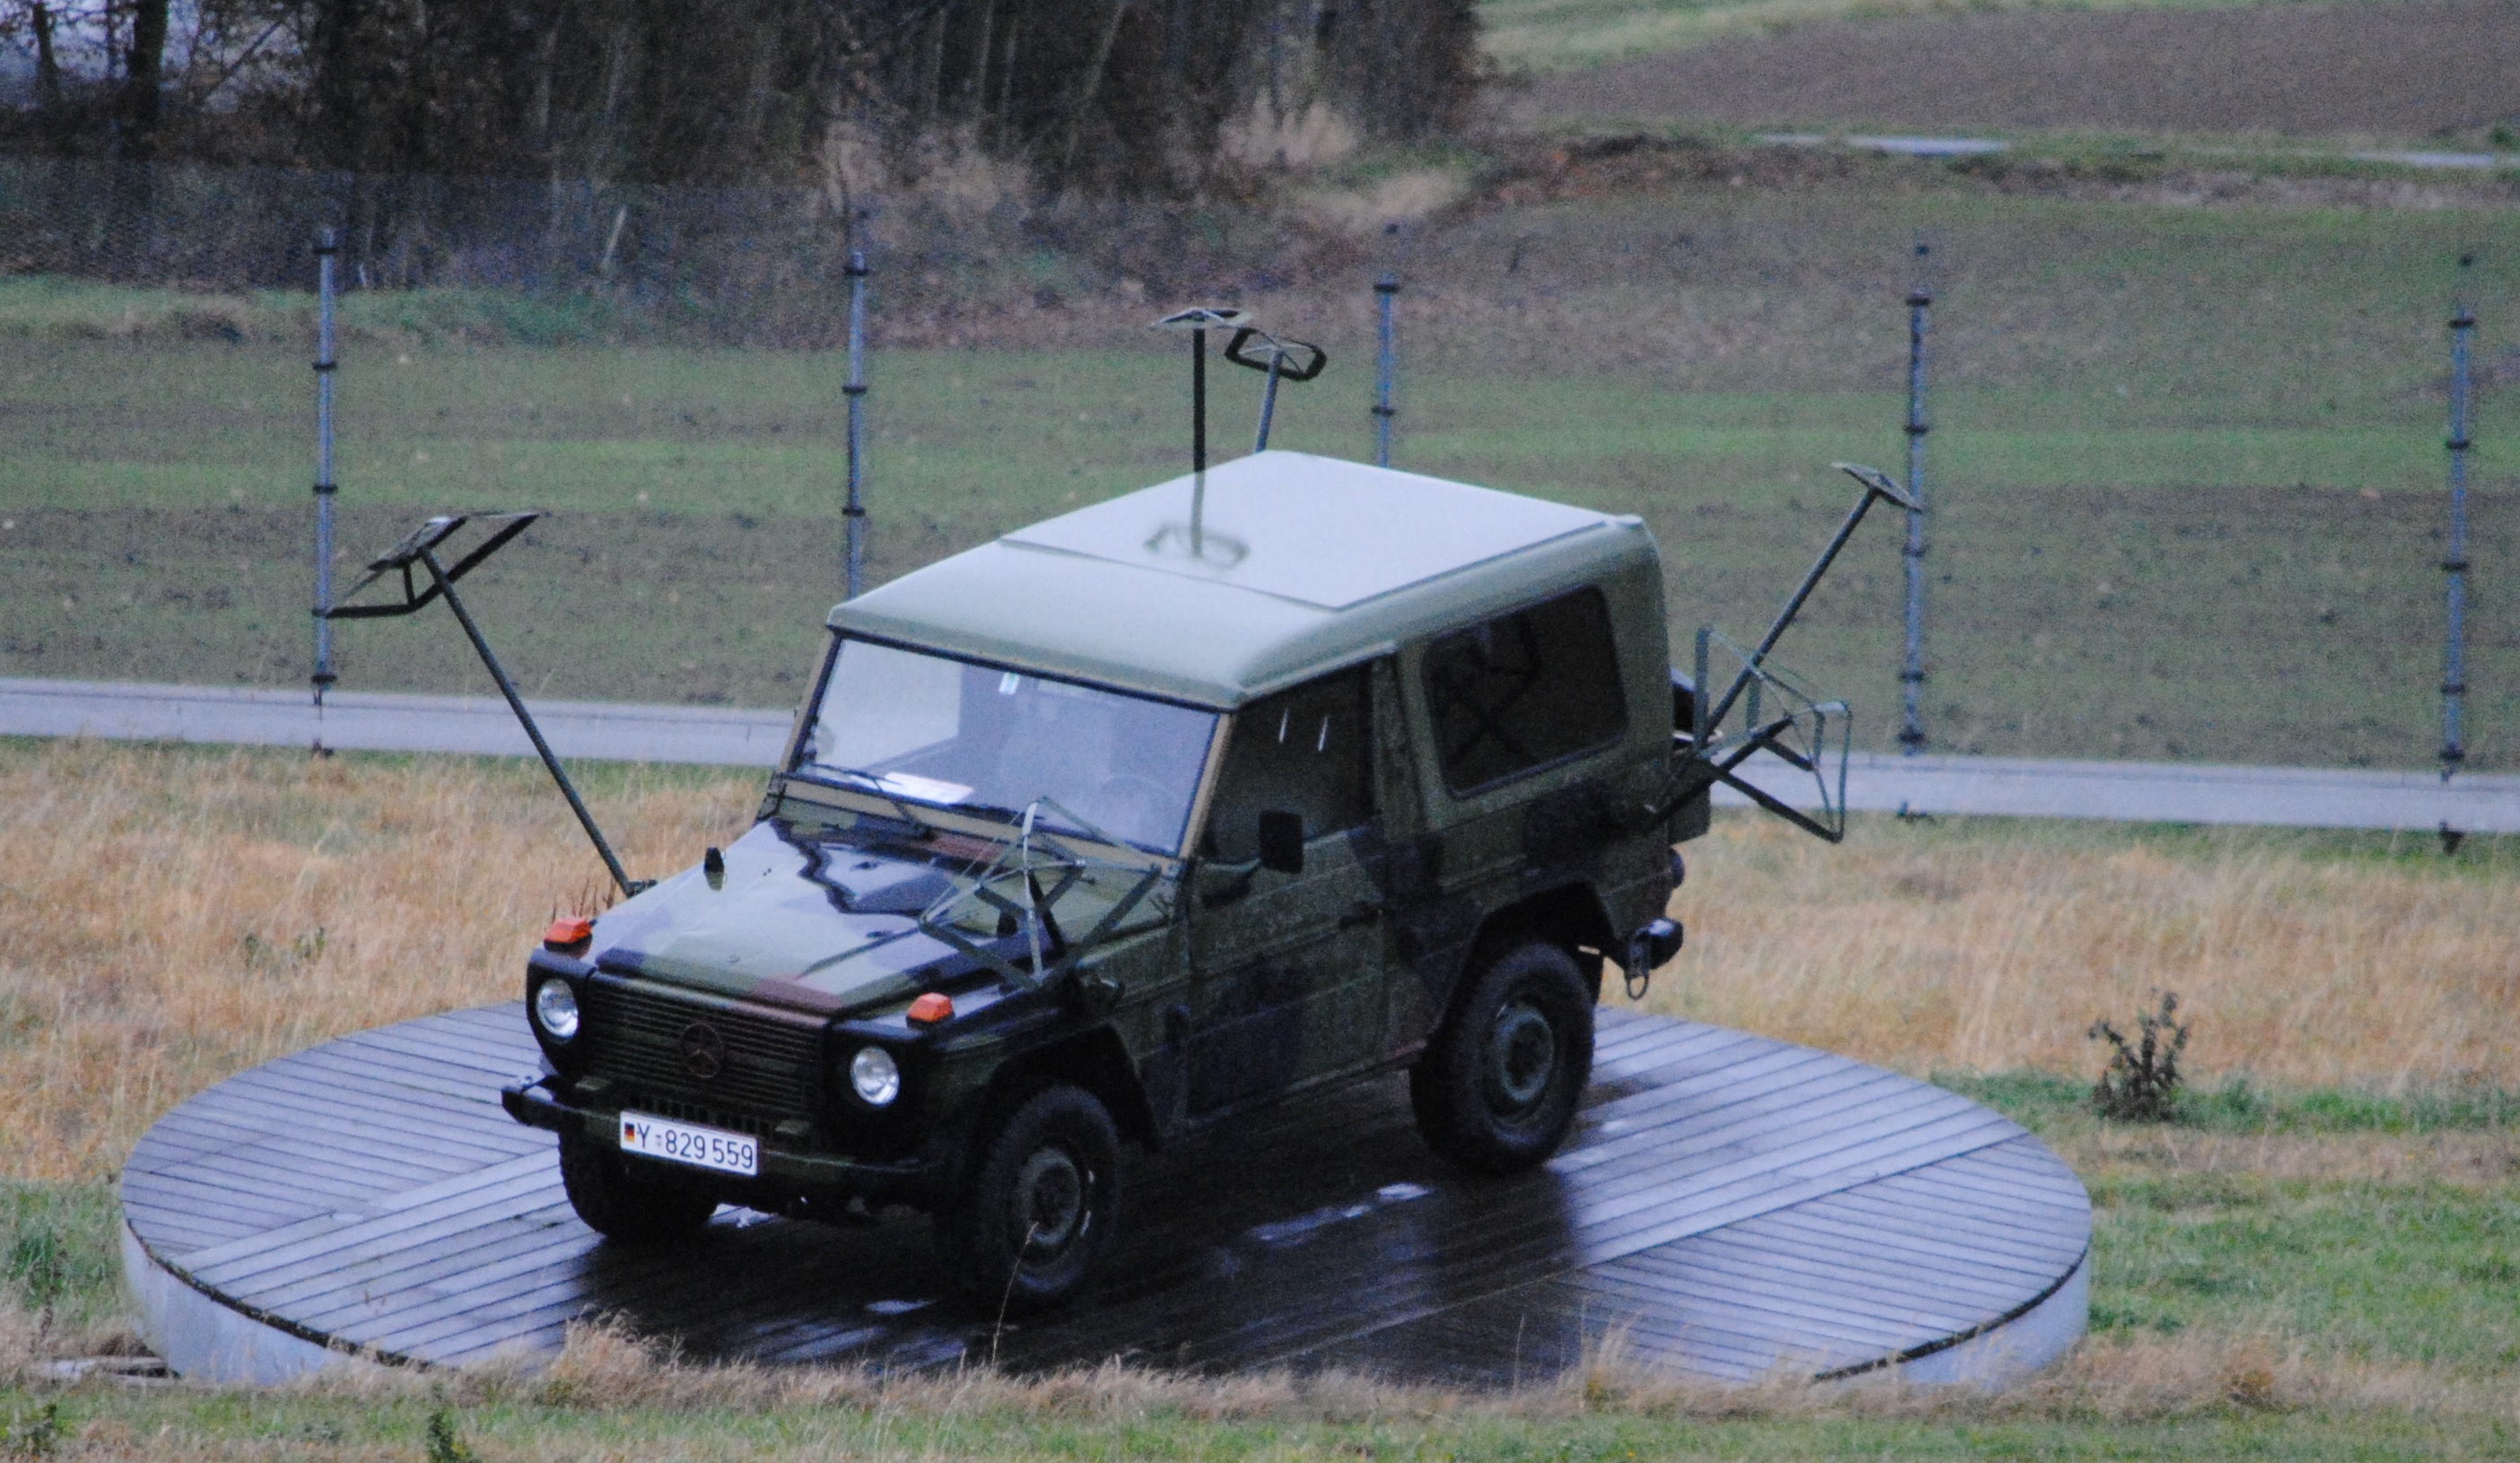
point(784, 1170)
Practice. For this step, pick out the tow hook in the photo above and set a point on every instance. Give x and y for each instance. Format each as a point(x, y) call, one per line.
point(1653, 945)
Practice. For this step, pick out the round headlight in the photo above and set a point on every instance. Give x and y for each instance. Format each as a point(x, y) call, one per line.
point(875, 1076)
point(556, 1009)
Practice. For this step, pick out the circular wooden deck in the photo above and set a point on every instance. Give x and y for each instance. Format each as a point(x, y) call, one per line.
point(1729, 1206)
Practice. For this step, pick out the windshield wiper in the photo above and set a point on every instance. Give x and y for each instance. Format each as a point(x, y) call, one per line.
point(1066, 821)
point(874, 782)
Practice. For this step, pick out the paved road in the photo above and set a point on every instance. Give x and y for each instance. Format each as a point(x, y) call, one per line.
point(2124, 791)
point(376, 722)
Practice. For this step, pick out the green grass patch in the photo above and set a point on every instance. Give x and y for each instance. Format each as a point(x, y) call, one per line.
point(59, 1251)
point(2420, 1273)
point(2048, 1103)
point(1547, 36)
point(322, 1427)
point(47, 307)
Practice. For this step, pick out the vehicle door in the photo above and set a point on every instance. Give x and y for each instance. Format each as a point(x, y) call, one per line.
point(1287, 967)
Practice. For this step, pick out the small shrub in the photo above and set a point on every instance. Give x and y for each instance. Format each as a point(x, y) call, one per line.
point(2250, 1386)
point(2141, 1081)
point(33, 1434)
point(445, 1445)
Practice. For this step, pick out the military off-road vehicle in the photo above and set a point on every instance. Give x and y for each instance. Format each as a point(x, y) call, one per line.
point(1133, 821)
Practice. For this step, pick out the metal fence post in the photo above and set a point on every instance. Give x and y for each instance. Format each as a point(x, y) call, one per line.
point(854, 514)
point(1911, 668)
point(1385, 365)
point(326, 249)
point(2462, 325)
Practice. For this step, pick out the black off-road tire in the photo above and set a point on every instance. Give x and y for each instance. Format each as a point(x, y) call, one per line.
point(1039, 1205)
point(627, 1201)
point(1497, 1088)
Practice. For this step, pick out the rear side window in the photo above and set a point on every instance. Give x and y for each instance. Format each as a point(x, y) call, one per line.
point(1525, 689)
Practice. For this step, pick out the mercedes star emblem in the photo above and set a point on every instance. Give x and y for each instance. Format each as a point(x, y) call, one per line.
point(703, 1050)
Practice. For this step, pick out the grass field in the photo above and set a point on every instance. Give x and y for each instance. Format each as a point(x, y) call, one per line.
point(2187, 470)
point(2318, 1262)
point(2434, 74)
point(2169, 1400)
point(2187, 460)
point(1544, 35)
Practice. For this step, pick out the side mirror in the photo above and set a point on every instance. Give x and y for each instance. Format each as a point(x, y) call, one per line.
point(1282, 842)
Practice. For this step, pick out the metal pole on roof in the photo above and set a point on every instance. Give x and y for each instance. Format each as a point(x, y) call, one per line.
point(2462, 326)
point(1196, 322)
point(1912, 666)
point(1197, 442)
point(324, 488)
point(1268, 398)
point(1385, 365)
point(853, 568)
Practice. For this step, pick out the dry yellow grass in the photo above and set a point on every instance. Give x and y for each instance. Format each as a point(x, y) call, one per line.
point(170, 916)
point(605, 1367)
point(1935, 948)
point(613, 1396)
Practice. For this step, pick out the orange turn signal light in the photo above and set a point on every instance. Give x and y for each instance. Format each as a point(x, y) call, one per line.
point(568, 930)
point(931, 1008)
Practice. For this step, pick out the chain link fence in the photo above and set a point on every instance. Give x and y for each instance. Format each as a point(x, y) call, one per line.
point(2186, 462)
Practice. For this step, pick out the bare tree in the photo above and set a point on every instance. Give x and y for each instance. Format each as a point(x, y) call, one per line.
point(1118, 96)
point(141, 105)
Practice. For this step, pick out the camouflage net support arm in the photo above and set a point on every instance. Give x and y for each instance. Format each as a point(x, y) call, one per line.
point(1699, 775)
point(1020, 868)
point(1710, 759)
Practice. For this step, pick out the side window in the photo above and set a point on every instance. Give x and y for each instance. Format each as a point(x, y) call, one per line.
point(1525, 689)
point(1305, 751)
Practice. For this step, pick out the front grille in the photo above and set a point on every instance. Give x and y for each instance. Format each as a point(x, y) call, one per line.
point(636, 1036)
point(757, 1124)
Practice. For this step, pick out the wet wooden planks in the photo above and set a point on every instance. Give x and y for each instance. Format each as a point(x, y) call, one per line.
point(1728, 1205)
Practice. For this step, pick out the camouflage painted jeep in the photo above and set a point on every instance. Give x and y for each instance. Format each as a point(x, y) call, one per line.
point(1128, 822)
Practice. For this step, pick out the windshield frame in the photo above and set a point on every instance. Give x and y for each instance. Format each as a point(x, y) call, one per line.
point(861, 793)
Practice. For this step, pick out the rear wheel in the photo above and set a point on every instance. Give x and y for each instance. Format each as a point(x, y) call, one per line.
point(1496, 1091)
point(627, 1201)
point(1039, 1205)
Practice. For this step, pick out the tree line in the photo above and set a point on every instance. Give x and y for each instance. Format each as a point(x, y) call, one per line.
point(1120, 96)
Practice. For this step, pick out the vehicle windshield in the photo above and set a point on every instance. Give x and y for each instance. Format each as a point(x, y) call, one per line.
point(928, 728)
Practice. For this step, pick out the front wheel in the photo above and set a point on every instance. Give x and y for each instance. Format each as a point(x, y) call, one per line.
point(1039, 1205)
point(1496, 1091)
point(627, 1201)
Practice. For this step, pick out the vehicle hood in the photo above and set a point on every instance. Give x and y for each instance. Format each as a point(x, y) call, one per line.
point(821, 926)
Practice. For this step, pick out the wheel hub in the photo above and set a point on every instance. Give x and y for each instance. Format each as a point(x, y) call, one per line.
point(1049, 1202)
point(1522, 1057)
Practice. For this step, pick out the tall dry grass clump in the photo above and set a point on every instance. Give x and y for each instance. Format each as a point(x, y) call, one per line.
point(1935, 950)
point(170, 916)
point(603, 1366)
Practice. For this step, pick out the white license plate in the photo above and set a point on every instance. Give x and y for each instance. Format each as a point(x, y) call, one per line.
point(683, 1143)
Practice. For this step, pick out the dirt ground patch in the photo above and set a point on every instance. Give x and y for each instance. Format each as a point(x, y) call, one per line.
point(2421, 71)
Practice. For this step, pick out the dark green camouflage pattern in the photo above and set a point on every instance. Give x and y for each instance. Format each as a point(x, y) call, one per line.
point(1178, 989)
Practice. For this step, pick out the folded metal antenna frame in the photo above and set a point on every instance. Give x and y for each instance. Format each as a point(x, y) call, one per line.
point(1877, 485)
point(420, 549)
point(1707, 765)
point(1019, 865)
point(1295, 361)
